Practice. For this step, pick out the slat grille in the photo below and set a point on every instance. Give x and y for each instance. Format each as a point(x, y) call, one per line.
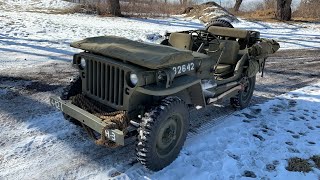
point(105, 81)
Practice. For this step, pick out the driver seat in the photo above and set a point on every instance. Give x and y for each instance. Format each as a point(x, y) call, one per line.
point(181, 40)
point(228, 50)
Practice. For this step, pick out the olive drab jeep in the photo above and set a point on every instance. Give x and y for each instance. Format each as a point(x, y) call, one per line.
point(128, 89)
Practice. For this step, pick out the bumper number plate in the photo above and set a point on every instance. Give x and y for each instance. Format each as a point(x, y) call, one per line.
point(56, 104)
point(111, 135)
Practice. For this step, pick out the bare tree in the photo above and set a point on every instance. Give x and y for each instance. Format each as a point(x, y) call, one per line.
point(237, 5)
point(115, 7)
point(284, 11)
point(183, 2)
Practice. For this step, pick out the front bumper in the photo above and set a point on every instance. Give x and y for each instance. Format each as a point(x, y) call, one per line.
point(88, 119)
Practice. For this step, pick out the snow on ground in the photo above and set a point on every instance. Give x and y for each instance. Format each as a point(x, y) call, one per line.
point(34, 5)
point(258, 139)
point(28, 39)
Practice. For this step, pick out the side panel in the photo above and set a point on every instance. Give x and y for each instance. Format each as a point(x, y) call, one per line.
point(196, 95)
point(192, 95)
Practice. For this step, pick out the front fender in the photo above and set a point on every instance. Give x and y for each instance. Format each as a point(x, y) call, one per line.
point(186, 87)
point(178, 84)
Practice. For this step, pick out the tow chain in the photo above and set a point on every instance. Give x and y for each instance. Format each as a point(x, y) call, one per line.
point(114, 120)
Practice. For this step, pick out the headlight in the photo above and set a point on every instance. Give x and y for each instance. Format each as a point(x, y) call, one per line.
point(134, 79)
point(83, 63)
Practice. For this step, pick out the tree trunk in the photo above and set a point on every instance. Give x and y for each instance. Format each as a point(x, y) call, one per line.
point(115, 7)
point(283, 12)
point(183, 2)
point(237, 5)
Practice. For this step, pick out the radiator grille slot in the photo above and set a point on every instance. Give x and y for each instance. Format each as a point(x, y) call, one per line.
point(105, 81)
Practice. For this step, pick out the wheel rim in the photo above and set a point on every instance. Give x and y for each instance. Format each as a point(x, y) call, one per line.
point(169, 135)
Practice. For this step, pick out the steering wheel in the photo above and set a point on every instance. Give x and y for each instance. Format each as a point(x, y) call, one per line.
point(206, 38)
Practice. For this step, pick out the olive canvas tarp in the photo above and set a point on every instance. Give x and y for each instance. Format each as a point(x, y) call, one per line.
point(258, 52)
point(263, 48)
point(148, 55)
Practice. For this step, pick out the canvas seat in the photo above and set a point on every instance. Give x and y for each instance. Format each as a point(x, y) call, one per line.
point(240, 35)
point(229, 56)
point(229, 32)
point(181, 40)
point(223, 68)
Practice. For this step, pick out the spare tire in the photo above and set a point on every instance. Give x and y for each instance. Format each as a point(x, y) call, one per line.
point(219, 22)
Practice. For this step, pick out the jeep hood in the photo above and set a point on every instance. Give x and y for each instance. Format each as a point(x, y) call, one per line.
point(148, 55)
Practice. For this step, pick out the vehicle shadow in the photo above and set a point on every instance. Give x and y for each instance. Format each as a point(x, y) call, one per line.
point(5, 37)
point(54, 50)
point(34, 48)
point(35, 54)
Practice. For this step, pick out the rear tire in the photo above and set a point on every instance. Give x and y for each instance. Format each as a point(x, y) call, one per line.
point(72, 89)
point(220, 23)
point(242, 100)
point(162, 133)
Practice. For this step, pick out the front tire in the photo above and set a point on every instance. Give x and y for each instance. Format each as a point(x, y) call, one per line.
point(162, 133)
point(72, 89)
point(242, 100)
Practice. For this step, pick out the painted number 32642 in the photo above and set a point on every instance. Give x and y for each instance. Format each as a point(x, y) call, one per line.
point(183, 68)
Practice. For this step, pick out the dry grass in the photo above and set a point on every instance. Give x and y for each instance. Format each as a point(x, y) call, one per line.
point(75, 9)
point(258, 14)
point(308, 10)
point(299, 165)
point(90, 7)
point(137, 9)
point(265, 11)
point(268, 15)
point(151, 9)
point(262, 11)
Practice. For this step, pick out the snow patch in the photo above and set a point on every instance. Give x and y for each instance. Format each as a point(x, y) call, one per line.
point(43, 5)
point(255, 142)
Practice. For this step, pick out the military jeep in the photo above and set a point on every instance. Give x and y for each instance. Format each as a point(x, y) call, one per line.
point(128, 89)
